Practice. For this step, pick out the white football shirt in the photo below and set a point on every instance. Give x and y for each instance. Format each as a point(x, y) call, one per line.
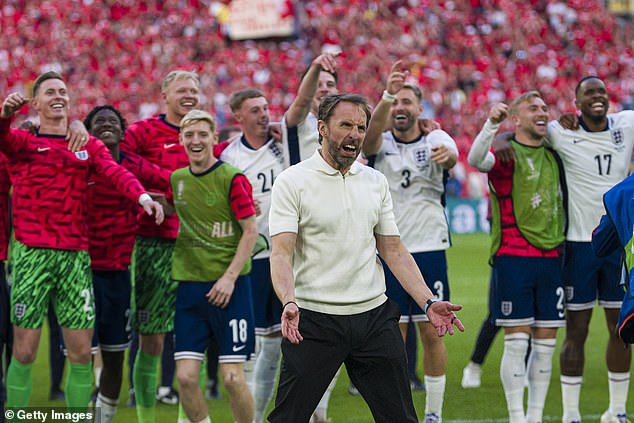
point(303, 140)
point(593, 163)
point(261, 167)
point(417, 186)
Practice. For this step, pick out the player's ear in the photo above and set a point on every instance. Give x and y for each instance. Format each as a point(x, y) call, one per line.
point(323, 128)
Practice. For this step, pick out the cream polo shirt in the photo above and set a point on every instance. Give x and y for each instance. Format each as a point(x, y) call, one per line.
point(335, 217)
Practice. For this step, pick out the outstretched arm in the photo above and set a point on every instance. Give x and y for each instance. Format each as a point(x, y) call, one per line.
point(373, 137)
point(479, 155)
point(308, 87)
point(440, 313)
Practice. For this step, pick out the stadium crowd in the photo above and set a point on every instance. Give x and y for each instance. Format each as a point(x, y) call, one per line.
point(465, 54)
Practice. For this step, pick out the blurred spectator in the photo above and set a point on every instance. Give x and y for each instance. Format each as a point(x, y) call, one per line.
point(465, 54)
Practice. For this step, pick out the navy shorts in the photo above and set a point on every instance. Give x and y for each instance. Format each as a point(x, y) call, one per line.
point(267, 308)
point(588, 278)
point(433, 266)
point(197, 321)
point(528, 291)
point(112, 291)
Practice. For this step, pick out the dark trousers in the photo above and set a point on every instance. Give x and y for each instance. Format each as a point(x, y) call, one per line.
point(371, 347)
point(488, 330)
point(212, 360)
point(168, 365)
point(5, 337)
point(55, 351)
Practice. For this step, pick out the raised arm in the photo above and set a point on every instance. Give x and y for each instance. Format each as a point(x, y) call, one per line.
point(440, 313)
point(479, 155)
point(308, 87)
point(8, 142)
point(373, 136)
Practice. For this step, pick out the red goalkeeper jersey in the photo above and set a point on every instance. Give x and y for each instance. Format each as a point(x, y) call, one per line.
point(112, 218)
point(5, 187)
point(50, 186)
point(156, 140)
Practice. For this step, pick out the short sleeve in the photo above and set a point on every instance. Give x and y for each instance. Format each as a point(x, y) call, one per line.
point(284, 212)
point(387, 222)
point(241, 197)
point(439, 137)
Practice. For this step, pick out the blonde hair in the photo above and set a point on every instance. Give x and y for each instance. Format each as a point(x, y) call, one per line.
point(527, 96)
point(179, 74)
point(195, 116)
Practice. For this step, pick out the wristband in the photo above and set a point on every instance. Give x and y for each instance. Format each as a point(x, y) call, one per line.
point(144, 197)
point(428, 303)
point(390, 98)
point(290, 302)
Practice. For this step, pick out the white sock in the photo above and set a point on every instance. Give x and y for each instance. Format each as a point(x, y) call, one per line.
point(512, 371)
point(540, 366)
point(322, 408)
point(570, 390)
point(619, 384)
point(108, 408)
point(205, 420)
point(266, 367)
point(435, 392)
point(249, 365)
point(97, 372)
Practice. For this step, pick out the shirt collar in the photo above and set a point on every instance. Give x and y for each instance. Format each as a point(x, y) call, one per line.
point(323, 166)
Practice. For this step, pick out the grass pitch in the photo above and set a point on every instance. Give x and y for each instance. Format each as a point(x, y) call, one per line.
point(469, 278)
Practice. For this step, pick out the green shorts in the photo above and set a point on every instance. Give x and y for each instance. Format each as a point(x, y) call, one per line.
point(154, 299)
point(41, 275)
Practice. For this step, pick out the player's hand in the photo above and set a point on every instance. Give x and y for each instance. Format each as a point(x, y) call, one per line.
point(502, 147)
point(77, 136)
point(12, 104)
point(569, 121)
point(440, 154)
point(275, 131)
point(428, 125)
point(168, 208)
point(327, 61)
point(442, 317)
point(153, 208)
point(498, 113)
point(27, 125)
point(290, 323)
point(396, 79)
point(220, 293)
point(258, 207)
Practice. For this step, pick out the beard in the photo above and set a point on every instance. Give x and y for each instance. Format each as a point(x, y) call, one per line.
point(334, 151)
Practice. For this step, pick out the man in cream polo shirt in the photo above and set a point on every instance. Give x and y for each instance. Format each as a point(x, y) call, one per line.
point(329, 216)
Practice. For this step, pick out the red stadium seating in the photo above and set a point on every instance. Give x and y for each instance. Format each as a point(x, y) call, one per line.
point(465, 54)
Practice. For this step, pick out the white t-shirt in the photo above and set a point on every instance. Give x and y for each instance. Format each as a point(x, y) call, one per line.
point(335, 217)
point(261, 167)
point(417, 186)
point(593, 163)
point(304, 137)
